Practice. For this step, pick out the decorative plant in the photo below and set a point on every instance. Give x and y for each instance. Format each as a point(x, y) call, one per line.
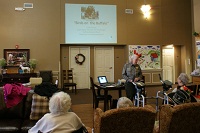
point(2, 62)
point(196, 34)
point(32, 63)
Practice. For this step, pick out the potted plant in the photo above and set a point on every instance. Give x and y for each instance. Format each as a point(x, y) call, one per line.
point(32, 64)
point(196, 34)
point(2, 63)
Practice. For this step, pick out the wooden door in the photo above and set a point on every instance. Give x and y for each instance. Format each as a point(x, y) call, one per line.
point(104, 63)
point(81, 72)
point(168, 63)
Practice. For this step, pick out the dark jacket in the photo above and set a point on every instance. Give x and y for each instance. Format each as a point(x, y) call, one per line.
point(45, 89)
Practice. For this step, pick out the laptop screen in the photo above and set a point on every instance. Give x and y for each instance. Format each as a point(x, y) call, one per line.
point(102, 79)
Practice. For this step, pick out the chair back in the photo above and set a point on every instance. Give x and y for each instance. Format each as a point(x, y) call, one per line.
point(92, 87)
point(125, 120)
point(68, 76)
point(46, 76)
point(182, 118)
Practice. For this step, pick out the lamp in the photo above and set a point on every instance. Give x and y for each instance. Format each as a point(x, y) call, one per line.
point(146, 10)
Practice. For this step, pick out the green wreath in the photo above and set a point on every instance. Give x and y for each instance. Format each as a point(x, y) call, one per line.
point(77, 57)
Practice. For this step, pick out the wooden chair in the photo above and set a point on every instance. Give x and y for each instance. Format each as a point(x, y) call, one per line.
point(97, 96)
point(68, 80)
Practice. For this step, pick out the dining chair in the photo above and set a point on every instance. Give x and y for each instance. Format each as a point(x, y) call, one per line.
point(97, 96)
point(68, 80)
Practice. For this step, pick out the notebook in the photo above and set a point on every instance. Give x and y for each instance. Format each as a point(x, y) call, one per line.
point(103, 81)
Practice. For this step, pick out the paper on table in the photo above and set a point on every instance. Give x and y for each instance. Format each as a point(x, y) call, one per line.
point(110, 86)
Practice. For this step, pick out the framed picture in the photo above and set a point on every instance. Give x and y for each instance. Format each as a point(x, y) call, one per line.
point(150, 58)
point(16, 57)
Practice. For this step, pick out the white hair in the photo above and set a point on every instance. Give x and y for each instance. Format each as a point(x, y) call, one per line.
point(59, 103)
point(124, 102)
point(184, 78)
point(132, 57)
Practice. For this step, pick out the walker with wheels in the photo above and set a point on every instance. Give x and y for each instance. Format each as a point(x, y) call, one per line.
point(140, 96)
point(162, 94)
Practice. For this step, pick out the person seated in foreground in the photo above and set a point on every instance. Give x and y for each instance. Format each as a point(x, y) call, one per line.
point(59, 120)
point(124, 102)
point(181, 94)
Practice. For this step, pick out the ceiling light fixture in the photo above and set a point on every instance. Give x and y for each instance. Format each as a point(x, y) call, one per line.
point(146, 10)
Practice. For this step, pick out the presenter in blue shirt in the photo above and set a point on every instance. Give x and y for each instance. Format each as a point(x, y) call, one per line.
point(132, 73)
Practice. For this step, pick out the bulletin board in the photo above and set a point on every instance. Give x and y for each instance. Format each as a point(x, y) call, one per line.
point(150, 58)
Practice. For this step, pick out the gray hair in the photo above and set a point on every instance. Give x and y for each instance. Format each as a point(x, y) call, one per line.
point(184, 78)
point(132, 57)
point(59, 103)
point(124, 102)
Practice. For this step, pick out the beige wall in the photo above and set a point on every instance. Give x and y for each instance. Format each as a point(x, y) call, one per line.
point(196, 4)
point(196, 26)
point(41, 29)
point(177, 61)
point(37, 29)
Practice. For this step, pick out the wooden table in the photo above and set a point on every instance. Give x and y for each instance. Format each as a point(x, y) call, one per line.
point(109, 88)
point(17, 78)
point(196, 80)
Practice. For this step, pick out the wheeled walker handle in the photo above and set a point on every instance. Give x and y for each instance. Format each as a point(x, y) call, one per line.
point(160, 78)
point(166, 84)
point(138, 84)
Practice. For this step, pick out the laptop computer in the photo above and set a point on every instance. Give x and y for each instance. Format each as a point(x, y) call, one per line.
point(103, 81)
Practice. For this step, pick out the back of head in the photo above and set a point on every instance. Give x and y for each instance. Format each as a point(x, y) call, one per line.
point(124, 102)
point(184, 78)
point(59, 103)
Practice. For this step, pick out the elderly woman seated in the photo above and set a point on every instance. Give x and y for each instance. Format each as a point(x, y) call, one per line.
point(125, 119)
point(181, 94)
point(59, 120)
point(124, 102)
